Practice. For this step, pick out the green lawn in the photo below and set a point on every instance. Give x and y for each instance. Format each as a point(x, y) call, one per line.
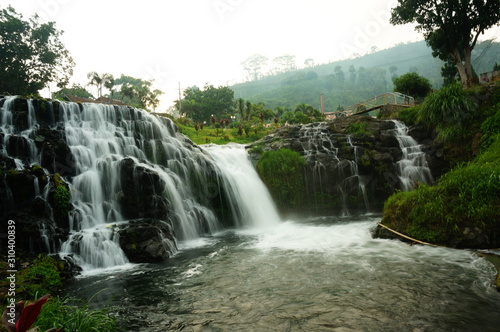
point(222, 136)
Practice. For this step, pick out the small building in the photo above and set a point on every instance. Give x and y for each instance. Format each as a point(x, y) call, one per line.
point(492, 76)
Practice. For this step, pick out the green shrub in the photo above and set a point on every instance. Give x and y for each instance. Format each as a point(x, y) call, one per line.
point(467, 196)
point(408, 115)
point(283, 173)
point(450, 110)
point(358, 128)
point(78, 316)
point(490, 128)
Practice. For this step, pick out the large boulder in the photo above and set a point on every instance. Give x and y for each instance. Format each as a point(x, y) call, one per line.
point(147, 240)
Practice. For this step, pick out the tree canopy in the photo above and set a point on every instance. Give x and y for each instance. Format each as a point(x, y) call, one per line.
point(135, 92)
point(412, 84)
point(31, 54)
point(450, 27)
point(200, 105)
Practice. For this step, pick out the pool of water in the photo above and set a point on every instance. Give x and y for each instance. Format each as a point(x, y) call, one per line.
point(321, 274)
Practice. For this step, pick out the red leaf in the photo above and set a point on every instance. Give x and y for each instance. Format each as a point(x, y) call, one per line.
point(7, 316)
point(29, 314)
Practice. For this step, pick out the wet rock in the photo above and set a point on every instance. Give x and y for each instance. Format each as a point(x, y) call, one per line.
point(147, 240)
point(142, 195)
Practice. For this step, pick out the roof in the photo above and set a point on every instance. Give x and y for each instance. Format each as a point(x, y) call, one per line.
point(100, 100)
point(106, 100)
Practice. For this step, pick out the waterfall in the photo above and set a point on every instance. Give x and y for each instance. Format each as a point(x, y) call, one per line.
point(117, 149)
point(251, 202)
point(19, 133)
point(412, 167)
point(322, 152)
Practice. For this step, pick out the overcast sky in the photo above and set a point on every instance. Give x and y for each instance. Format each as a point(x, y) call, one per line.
point(193, 42)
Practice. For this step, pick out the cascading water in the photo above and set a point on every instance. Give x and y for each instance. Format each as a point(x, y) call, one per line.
point(320, 151)
point(103, 138)
point(412, 167)
point(251, 203)
point(18, 141)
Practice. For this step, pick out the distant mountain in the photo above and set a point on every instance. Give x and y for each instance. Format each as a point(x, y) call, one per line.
point(347, 82)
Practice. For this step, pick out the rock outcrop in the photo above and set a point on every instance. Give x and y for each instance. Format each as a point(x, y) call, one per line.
point(351, 162)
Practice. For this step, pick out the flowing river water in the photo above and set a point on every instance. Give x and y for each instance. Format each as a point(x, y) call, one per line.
point(321, 274)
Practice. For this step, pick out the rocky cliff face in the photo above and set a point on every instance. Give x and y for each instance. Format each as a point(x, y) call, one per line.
point(352, 163)
point(88, 179)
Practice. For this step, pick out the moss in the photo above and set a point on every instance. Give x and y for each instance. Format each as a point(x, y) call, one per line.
point(61, 195)
point(42, 276)
point(12, 172)
point(283, 173)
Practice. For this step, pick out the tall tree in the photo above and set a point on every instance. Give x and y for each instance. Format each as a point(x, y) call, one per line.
point(106, 80)
point(31, 54)
point(450, 27)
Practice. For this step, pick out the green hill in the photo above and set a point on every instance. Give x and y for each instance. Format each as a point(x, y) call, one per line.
point(347, 82)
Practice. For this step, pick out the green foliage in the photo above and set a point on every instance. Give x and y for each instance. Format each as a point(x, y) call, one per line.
point(134, 91)
point(75, 90)
point(408, 115)
point(412, 84)
point(358, 128)
point(467, 196)
point(41, 277)
point(31, 54)
point(283, 173)
point(62, 196)
point(450, 110)
point(450, 27)
point(200, 105)
point(490, 129)
point(75, 316)
point(221, 136)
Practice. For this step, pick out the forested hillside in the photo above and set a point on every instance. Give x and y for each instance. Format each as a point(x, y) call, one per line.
point(346, 82)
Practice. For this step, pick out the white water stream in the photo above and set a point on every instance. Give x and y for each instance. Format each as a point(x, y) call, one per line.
point(412, 167)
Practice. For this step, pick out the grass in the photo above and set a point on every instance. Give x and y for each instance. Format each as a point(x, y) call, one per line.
point(222, 136)
point(467, 196)
point(57, 313)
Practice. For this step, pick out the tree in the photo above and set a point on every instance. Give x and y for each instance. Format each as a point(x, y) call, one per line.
point(31, 54)
point(412, 84)
point(284, 63)
point(253, 65)
point(211, 100)
point(75, 90)
point(450, 27)
point(106, 80)
point(137, 92)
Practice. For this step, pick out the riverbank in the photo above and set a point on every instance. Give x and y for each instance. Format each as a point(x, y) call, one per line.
point(462, 210)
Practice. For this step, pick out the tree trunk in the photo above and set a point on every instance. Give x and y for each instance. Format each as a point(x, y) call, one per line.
point(464, 69)
point(468, 66)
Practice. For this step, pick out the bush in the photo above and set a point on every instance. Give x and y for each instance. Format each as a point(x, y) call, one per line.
point(412, 84)
point(467, 196)
point(490, 129)
point(450, 110)
point(283, 173)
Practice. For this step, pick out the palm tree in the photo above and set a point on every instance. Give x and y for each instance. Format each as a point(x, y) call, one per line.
point(304, 108)
point(105, 80)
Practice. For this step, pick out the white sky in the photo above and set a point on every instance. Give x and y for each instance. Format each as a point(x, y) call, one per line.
point(198, 41)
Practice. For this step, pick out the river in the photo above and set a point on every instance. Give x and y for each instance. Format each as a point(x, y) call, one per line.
point(320, 274)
